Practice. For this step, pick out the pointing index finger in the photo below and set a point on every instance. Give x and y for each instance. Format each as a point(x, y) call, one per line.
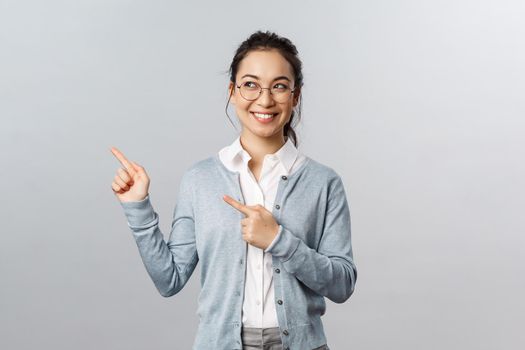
point(123, 160)
point(240, 207)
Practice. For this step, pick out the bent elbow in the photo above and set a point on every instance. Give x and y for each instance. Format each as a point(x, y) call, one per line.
point(349, 293)
point(169, 289)
point(348, 289)
point(342, 297)
point(166, 293)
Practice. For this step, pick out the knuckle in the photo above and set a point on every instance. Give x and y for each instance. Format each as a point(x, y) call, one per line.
point(123, 173)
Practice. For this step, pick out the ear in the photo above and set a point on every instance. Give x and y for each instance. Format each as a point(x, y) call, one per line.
point(296, 95)
point(231, 92)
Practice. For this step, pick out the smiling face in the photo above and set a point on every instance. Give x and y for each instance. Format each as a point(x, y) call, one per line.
point(268, 69)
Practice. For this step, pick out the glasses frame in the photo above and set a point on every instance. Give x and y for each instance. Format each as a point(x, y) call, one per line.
point(292, 91)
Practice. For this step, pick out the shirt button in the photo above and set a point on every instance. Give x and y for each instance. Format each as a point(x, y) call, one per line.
point(283, 177)
point(258, 302)
point(280, 302)
point(285, 332)
point(277, 270)
point(277, 206)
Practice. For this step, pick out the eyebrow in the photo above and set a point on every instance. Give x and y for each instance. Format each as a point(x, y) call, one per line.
point(256, 77)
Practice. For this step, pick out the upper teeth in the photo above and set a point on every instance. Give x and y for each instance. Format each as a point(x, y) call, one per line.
point(264, 116)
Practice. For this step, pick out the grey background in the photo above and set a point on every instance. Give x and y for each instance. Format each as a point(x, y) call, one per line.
point(418, 105)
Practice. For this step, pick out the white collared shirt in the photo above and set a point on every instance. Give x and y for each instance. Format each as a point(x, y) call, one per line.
point(259, 301)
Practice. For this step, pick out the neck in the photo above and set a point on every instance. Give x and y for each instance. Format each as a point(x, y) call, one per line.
point(257, 147)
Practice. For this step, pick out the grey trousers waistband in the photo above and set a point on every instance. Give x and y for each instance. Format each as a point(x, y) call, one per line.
point(261, 338)
point(265, 339)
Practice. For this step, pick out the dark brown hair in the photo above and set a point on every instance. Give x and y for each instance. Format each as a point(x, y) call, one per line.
point(268, 41)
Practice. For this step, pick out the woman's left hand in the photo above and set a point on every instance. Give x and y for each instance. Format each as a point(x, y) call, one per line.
point(259, 228)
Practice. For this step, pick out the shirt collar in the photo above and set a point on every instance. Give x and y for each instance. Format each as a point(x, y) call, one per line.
point(286, 155)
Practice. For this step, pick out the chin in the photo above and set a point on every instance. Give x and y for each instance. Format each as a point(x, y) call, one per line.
point(266, 133)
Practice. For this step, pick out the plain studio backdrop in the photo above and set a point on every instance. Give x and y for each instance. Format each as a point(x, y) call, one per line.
point(418, 105)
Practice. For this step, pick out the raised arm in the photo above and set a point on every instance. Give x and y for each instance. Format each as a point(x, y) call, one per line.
point(169, 264)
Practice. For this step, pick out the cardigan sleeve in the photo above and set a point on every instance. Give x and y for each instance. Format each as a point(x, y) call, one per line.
point(330, 270)
point(169, 264)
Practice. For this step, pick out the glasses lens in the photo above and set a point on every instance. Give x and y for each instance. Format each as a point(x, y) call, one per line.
point(250, 90)
point(281, 93)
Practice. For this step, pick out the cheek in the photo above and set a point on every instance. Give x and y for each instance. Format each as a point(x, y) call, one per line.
point(243, 105)
point(289, 109)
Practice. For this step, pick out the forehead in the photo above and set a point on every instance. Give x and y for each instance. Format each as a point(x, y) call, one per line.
point(265, 64)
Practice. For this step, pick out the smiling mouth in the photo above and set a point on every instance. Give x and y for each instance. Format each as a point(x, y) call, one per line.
point(263, 117)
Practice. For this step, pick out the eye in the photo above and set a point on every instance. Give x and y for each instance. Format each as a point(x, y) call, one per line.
point(250, 85)
point(280, 86)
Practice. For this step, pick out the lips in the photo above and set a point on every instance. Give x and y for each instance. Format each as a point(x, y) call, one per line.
point(263, 117)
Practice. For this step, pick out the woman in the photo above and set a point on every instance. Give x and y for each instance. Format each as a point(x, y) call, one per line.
point(269, 225)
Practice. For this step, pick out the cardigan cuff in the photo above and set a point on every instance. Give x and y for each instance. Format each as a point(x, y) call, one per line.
point(276, 238)
point(139, 213)
point(284, 245)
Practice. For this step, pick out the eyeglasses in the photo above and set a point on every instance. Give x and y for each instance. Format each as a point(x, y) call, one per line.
point(251, 91)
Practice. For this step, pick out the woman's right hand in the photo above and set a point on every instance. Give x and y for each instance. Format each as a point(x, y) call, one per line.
point(131, 183)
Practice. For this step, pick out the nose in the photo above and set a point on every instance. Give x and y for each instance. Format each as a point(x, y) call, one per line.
point(265, 98)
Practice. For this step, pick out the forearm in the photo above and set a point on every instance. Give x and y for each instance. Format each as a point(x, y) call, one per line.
point(154, 251)
point(333, 276)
